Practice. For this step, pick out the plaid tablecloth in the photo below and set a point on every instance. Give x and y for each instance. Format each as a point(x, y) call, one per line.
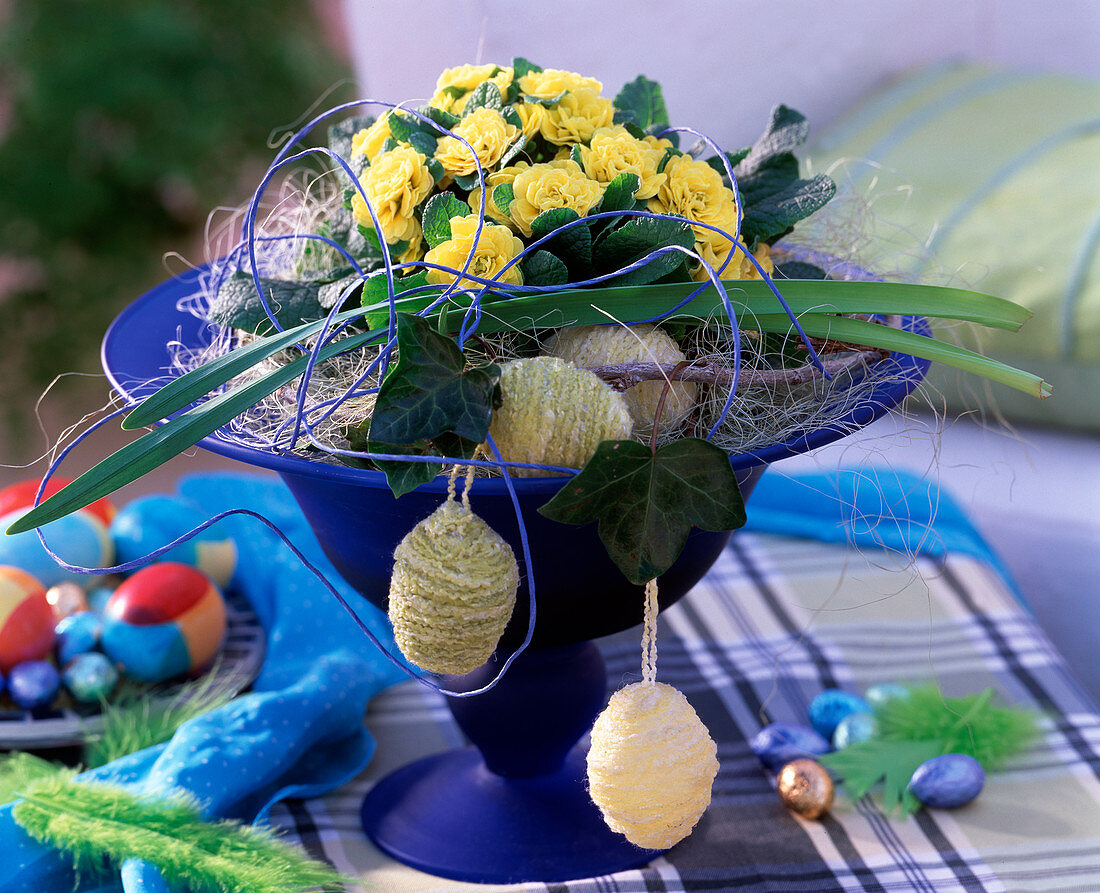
point(775, 621)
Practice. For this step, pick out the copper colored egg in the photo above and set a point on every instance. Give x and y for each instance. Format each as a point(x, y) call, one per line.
point(66, 598)
point(806, 788)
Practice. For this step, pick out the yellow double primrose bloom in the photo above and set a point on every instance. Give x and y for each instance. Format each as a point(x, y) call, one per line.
point(395, 183)
point(613, 151)
point(716, 249)
point(555, 184)
point(573, 120)
point(695, 190)
point(495, 247)
point(487, 133)
point(368, 142)
point(466, 78)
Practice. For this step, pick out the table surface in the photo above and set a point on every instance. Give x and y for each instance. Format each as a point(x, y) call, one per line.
point(776, 621)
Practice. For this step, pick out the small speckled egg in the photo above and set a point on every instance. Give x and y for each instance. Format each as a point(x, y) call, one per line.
point(151, 522)
point(855, 728)
point(66, 598)
point(877, 695)
point(166, 620)
point(77, 634)
point(806, 788)
point(777, 744)
point(831, 706)
point(948, 781)
point(90, 677)
point(33, 684)
point(26, 620)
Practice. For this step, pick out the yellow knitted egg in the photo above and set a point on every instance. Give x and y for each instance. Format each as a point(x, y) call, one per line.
point(554, 413)
point(644, 343)
point(452, 590)
point(651, 765)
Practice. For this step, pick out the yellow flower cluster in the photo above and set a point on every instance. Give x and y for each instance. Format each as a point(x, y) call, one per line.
point(495, 247)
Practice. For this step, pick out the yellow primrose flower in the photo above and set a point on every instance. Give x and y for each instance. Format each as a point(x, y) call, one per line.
point(489, 135)
point(532, 115)
point(715, 251)
point(551, 82)
point(395, 183)
point(555, 184)
point(495, 247)
point(693, 189)
point(465, 78)
point(613, 151)
point(369, 140)
point(493, 180)
point(415, 248)
point(578, 115)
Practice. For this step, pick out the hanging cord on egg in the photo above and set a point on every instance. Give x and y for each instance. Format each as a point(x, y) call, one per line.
point(649, 633)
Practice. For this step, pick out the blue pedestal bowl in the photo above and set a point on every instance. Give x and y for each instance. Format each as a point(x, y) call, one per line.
point(512, 806)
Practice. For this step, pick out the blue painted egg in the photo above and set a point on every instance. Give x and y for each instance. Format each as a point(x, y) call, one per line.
point(98, 596)
point(948, 781)
point(777, 744)
point(830, 707)
point(77, 634)
point(151, 522)
point(855, 728)
point(34, 683)
point(877, 695)
point(90, 677)
point(80, 538)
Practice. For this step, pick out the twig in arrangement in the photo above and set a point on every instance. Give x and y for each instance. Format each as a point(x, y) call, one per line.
point(625, 375)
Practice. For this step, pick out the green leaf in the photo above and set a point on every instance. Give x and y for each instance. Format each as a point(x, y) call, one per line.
point(403, 477)
point(786, 131)
point(619, 194)
point(545, 103)
point(774, 175)
point(512, 151)
point(329, 294)
point(522, 67)
point(438, 212)
point(646, 503)
point(637, 238)
point(891, 763)
point(402, 126)
point(443, 118)
point(503, 196)
point(734, 159)
point(544, 268)
point(510, 115)
point(436, 169)
point(643, 98)
point(340, 134)
point(548, 221)
point(776, 214)
point(485, 95)
point(424, 143)
point(376, 290)
point(429, 390)
point(238, 304)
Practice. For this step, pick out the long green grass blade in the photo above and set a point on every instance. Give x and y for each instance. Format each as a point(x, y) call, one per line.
point(161, 444)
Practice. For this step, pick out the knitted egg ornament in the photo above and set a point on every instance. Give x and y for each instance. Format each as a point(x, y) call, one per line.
point(603, 345)
point(452, 590)
point(651, 765)
point(554, 413)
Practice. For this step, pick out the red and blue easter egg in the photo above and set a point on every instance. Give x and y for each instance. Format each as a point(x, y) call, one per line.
point(150, 522)
point(26, 619)
point(166, 620)
point(81, 538)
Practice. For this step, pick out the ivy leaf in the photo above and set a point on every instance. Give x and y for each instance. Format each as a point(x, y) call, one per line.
point(238, 305)
point(643, 98)
point(485, 95)
point(544, 268)
point(403, 477)
point(429, 390)
point(438, 212)
point(862, 766)
point(637, 238)
point(646, 502)
point(772, 217)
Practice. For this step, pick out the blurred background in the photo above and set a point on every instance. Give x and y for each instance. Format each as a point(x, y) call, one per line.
point(124, 123)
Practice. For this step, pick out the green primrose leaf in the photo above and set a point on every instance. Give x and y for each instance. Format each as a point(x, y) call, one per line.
point(340, 134)
point(522, 67)
point(548, 221)
point(429, 390)
point(510, 115)
point(544, 268)
point(438, 212)
point(771, 217)
point(786, 131)
point(424, 143)
point(734, 158)
point(485, 95)
point(546, 103)
point(646, 503)
point(643, 97)
point(442, 118)
point(376, 290)
point(238, 304)
point(619, 194)
point(773, 175)
point(503, 197)
point(512, 151)
point(329, 294)
point(637, 238)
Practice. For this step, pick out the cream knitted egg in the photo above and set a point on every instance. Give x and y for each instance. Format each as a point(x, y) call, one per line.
point(554, 413)
point(651, 765)
point(452, 590)
point(644, 343)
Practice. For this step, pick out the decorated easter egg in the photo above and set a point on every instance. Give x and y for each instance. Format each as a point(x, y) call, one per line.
point(90, 677)
point(166, 620)
point(33, 684)
point(21, 496)
point(77, 634)
point(26, 620)
point(779, 743)
point(830, 707)
point(806, 788)
point(651, 765)
point(855, 728)
point(948, 781)
point(879, 694)
point(81, 539)
point(98, 596)
point(151, 522)
point(66, 598)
